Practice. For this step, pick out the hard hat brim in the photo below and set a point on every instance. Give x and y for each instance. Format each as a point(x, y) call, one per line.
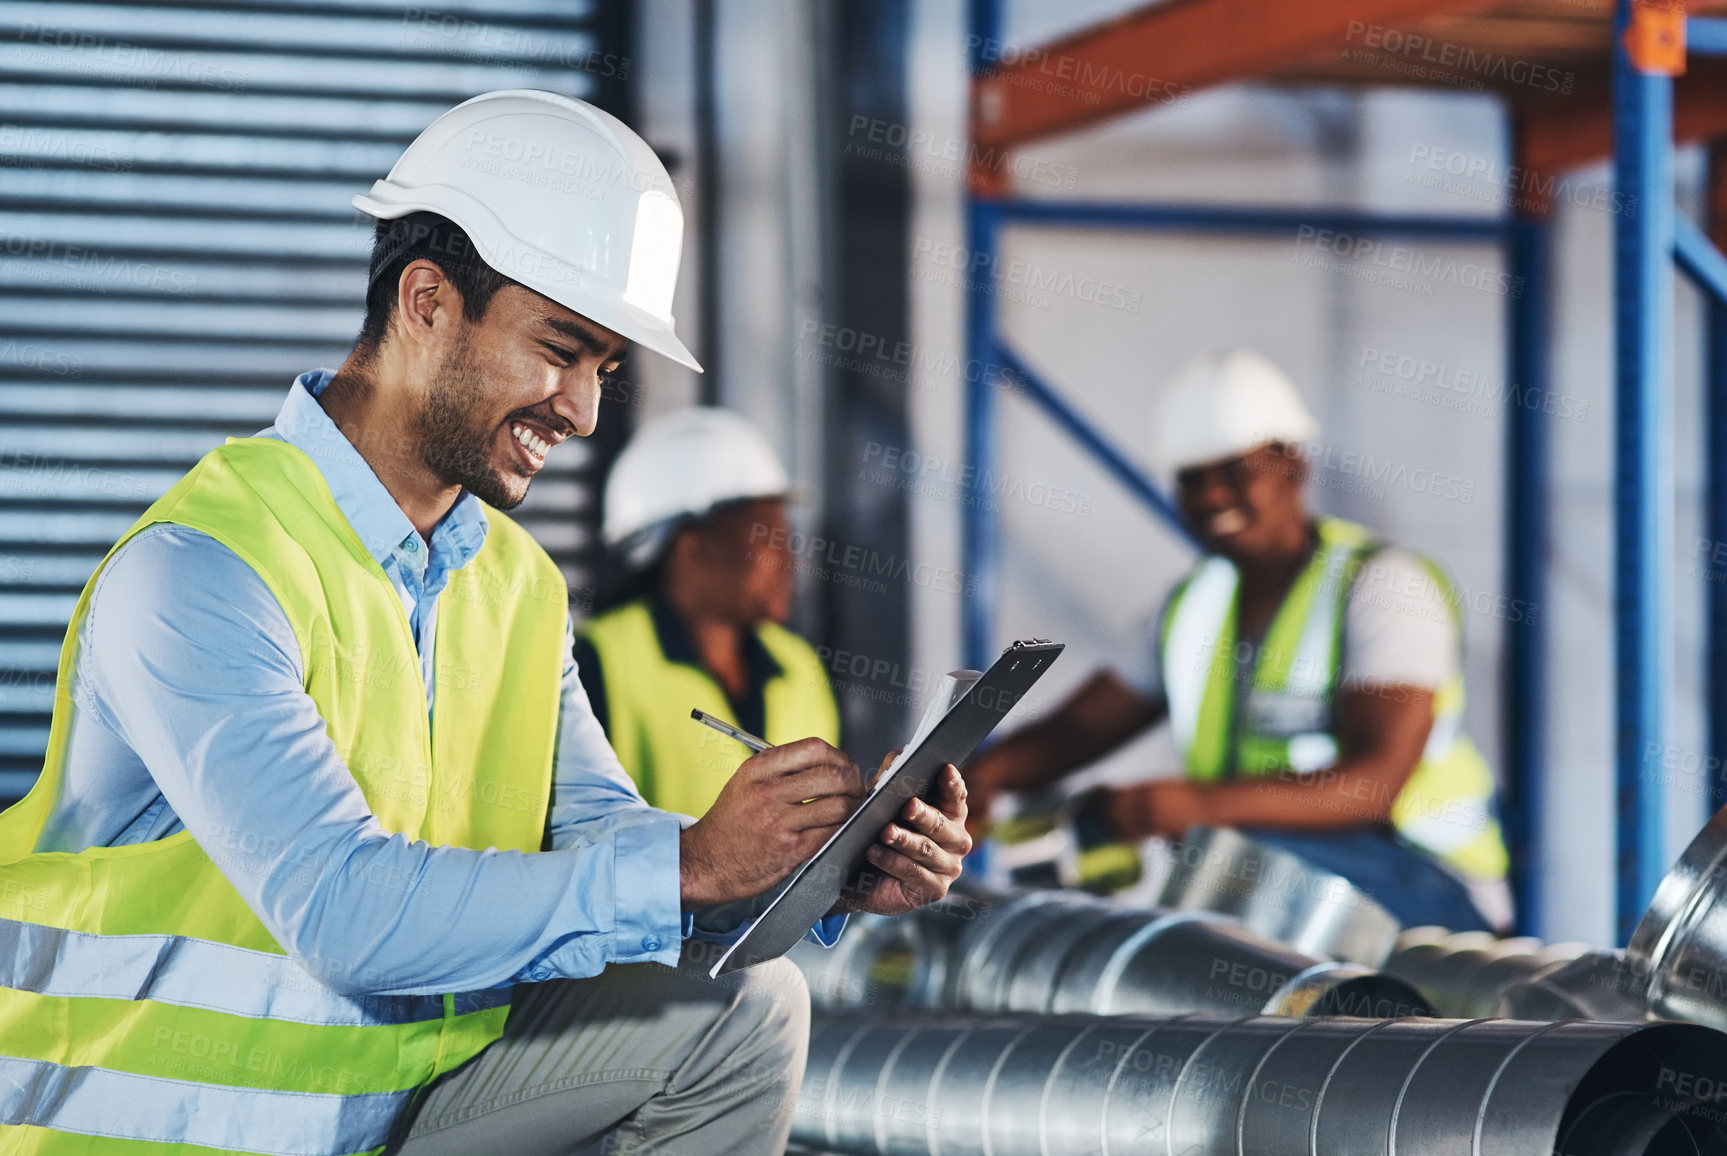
point(617, 536)
point(607, 308)
point(1219, 459)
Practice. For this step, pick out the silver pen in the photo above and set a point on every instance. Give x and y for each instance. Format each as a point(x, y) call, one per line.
point(726, 728)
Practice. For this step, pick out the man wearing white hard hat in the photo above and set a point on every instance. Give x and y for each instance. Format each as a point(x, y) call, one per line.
point(696, 504)
point(1311, 672)
point(329, 852)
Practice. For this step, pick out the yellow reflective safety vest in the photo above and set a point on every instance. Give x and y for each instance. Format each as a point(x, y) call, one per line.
point(1286, 724)
point(143, 1008)
point(678, 764)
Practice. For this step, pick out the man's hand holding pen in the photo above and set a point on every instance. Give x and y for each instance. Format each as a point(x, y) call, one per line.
point(775, 811)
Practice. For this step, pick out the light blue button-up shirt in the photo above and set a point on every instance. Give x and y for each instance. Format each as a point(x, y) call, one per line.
point(192, 714)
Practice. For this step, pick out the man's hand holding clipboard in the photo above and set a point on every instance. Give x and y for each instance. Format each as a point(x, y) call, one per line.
point(916, 858)
point(907, 833)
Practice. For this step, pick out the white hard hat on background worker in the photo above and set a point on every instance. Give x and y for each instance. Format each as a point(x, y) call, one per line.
point(486, 165)
point(682, 465)
point(1223, 405)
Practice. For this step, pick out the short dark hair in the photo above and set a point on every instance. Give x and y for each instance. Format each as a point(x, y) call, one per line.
point(399, 243)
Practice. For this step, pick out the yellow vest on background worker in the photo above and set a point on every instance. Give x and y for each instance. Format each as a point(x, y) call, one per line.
point(139, 964)
point(679, 765)
point(1286, 720)
point(676, 469)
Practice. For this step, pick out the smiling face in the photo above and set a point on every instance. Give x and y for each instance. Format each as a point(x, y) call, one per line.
point(508, 388)
point(1247, 508)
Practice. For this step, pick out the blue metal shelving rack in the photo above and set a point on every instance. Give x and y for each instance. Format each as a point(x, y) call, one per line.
point(1647, 245)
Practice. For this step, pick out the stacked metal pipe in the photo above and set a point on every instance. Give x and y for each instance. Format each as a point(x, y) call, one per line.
point(1053, 952)
point(1597, 985)
point(1278, 896)
point(1675, 966)
point(1061, 952)
point(1023, 1071)
point(902, 960)
point(1081, 1085)
point(1465, 974)
point(1678, 952)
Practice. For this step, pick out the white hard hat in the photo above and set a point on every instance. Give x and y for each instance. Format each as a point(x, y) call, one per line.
point(683, 464)
point(1222, 405)
point(557, 195)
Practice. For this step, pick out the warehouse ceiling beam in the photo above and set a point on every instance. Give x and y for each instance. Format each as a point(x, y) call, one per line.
point(1159, 53)
point(1563, 134)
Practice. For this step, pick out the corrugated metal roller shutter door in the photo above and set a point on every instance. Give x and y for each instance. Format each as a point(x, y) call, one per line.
point(176, 244)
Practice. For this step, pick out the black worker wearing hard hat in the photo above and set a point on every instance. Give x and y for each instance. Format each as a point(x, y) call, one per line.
point(329, 852)
point(697, 508)
point(1310, 671)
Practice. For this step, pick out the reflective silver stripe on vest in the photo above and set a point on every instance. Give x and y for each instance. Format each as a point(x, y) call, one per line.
point(1447, 725)
point(1313, 664)
point(201, 973)
point(1192, 646)
point(126, 1106)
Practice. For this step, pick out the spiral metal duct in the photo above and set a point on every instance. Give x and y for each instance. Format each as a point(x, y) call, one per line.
point(1278, 896)
point(1261, 1086)
point(880, 962)
point(1464, 974)
point(1679, 948)
point(1063, 951)
point(1597, 985)
point(1067, 955)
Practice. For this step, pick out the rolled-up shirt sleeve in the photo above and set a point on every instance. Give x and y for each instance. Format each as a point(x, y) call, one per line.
point(1142, 666)
point(190, 661)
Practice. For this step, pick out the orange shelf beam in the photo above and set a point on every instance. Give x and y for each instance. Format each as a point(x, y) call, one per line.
point(1154, 55)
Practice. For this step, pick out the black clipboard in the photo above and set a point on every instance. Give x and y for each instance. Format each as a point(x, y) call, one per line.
point(815, 887)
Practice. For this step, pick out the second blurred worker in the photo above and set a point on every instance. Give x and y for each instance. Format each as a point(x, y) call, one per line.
point(1311, 673)
point(697, 504)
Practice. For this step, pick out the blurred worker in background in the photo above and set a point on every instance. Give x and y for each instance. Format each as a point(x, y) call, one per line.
point(697, 506)
point(1311, 672)
point(328, 850)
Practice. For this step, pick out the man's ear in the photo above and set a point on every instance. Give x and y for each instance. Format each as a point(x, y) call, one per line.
point(427, 305)
point(684, 551)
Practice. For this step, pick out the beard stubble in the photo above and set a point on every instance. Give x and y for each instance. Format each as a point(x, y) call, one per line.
point(454, 444)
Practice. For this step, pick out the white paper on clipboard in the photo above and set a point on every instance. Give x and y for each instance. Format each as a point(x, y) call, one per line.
point(949, 692)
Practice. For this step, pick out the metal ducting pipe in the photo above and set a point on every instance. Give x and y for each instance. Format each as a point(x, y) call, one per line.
point(1278, 896)
point(1063, 951)
point(1598, 985)
point(1678, 952)
point(898, 961)
point(1080, 1085)
point(990, 957)
point(1196, 961)
point(880, 962)
point(1463, 974)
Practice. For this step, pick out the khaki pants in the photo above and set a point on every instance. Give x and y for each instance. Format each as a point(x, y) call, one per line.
point(639, 1059)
